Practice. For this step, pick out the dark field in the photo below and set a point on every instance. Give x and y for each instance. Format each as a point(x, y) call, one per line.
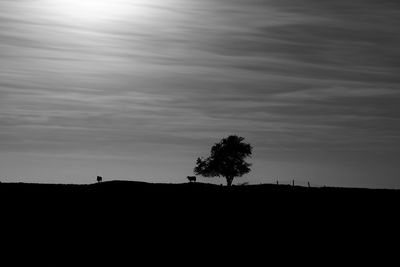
point(193, 219)
point(140, 196)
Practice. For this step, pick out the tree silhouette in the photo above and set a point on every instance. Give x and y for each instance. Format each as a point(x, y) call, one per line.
point(227, 159)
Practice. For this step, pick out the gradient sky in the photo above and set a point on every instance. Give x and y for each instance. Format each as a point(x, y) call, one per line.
point(139, 89)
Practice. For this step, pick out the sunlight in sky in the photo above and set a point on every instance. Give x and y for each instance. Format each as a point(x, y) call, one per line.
point(141, 88)
point(93, 11)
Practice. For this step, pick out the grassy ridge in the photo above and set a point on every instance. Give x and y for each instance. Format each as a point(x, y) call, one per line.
point(192, 197)
point(191, 219)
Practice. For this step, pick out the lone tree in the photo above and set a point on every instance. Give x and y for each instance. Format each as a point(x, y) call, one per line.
point(227, 159)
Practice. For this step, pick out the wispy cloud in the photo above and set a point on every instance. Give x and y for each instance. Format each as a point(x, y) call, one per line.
point(289, 75)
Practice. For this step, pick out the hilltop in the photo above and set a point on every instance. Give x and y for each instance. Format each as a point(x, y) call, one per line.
point(133, 188)
point(190, 218)
point(197, 205)
point(155, 195)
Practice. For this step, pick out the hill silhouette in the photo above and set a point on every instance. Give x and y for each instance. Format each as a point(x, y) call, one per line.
point(201, 200)
point(191, 219)
point(119, 189)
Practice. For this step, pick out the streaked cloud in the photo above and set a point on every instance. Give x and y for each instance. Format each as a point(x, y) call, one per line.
point(288, 75)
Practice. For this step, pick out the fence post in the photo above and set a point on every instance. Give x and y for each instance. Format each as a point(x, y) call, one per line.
point(293, 183)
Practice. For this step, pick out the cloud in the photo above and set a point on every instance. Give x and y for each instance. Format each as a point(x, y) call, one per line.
point(304, 74)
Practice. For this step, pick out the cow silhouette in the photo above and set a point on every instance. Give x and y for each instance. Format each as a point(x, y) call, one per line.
point(99, 179)
point(191, 178)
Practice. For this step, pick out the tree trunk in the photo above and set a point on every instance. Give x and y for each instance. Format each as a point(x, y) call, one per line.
point(229, 181)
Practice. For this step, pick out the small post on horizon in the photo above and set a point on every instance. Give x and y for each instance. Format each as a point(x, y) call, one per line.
point(308, 184)
point(293, 183)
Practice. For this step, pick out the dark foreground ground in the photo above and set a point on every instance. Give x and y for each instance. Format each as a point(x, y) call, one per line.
point(169, 221)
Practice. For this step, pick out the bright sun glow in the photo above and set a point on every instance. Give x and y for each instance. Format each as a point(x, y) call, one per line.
point(89, 10)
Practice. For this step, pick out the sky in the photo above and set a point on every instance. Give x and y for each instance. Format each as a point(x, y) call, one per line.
point(137, 90)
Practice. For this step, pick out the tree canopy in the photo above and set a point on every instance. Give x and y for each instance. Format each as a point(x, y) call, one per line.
point(227, 159)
